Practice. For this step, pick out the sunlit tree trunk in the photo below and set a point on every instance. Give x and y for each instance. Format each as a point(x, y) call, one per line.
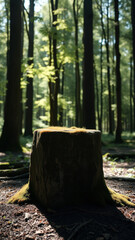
point(11, 129)
point(106, 37)
point(88, 81)
point(118, 74)
point(29, 90)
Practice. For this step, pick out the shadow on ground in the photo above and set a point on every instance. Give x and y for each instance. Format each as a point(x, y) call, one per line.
point(90, 222)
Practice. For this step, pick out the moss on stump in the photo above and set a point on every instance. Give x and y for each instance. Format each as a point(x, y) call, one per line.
point(66, 169)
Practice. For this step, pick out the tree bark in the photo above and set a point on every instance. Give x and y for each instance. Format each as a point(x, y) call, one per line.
point(54, 86)
point(77, 69)
point(29, 90)
point(11, 128)
point(133, 33)
point(106, 37)
point(88, 81)
point(101, 80)
point(131, 96)
point(118, 75)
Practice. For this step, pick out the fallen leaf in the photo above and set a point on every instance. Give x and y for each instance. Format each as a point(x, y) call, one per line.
point(27, 216)
point(40, 232)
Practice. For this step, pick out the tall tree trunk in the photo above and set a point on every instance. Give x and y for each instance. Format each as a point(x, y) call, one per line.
point(101, 82)
point(11, 129)
point(62, 92)
point(29, 90)
point(97, 95)
point(108, 75)
point(131, 96)
point(118, 75)
point(133, 33)
point(88, 81)
point(54, 86)
point(106, 37)
point(22, 43)
point(77, 70)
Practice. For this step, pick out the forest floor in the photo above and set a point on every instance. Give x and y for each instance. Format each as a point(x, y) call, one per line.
point(30, 221)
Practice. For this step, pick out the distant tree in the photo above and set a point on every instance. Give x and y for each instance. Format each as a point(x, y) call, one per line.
point(106, 38)
point(118, 74)
point(88, 81)
point(76, 8)
point(131, 95)
point(29, 90)
point(54, 85)
point(11, 129)
point(133, 33)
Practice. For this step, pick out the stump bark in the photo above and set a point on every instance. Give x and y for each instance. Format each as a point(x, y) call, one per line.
point(66, 167)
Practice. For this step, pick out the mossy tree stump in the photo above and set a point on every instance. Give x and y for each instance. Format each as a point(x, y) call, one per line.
point(66, 167)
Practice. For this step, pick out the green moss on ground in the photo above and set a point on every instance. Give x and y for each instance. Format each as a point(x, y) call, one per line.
point(22, 196)
point(120, 199)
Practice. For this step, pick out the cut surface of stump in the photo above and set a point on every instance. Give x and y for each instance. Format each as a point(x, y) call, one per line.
point(66, 167)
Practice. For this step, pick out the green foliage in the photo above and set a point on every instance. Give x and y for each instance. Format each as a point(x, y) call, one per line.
point(43, 71)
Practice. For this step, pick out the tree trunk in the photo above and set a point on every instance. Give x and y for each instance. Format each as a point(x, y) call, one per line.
point(77, 70)
point(22, 44)
point(108, 76)
point(106, 37)
point(54, 85)
point(97, 95)
point(29, 90)
point(118, 75)
point(88, 81)
point(131, 96)
point(11, 128)
point(133, 33)
point(101, 80)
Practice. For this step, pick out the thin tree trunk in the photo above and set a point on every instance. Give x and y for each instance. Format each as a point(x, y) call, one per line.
point(133, 33)
point(77, 70)
point(131, 96)
point(118, 75)
point(97, 95)
point(54, 86)
point(29, 90)
point(101, 82)
point(22, 43)
point(62, 92)
point(108, 76)
point(88, 81)
point(106, 37)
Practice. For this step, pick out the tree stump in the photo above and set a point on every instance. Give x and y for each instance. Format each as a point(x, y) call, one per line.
point(66, 167)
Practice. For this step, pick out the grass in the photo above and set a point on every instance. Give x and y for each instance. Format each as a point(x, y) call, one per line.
point(128, 139)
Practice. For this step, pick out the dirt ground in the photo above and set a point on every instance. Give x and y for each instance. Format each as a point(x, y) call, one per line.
point(29, 221)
